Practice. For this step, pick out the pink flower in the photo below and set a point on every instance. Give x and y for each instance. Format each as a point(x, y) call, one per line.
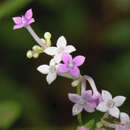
point(83, 128)
point(86, 101)
point(23, 21)
point(71, 65)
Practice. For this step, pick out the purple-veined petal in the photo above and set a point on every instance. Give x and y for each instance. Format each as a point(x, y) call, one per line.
point(106, 95)
point(120, 127)
point(62, 68)
point(75, 98)
point(17, 20)
point(102, 106)
point(75, 72)
point(114, 112)
point(87, 95)
point(119, 100)
point(28, 14)
point(61, 42)
point(50, 51)
point(18, 26)
point(66, 58)
point(79, 60)
point(77, 109)
point(44, 69)
point(30, 21)
point(124, 117)
point(70, 49)
point(51, 77)
point(89, 107)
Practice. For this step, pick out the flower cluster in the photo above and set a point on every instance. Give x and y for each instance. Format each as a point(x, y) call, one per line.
point(62, 64)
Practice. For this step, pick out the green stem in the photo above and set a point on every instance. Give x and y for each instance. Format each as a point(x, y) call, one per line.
point(79, 116)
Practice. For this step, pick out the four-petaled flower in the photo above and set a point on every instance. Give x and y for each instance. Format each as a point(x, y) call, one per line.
point(23, 21)
point(50, 70)
point(125, 122)
point(110, 105)
point(86, 101)
point(60, 49)
point(71, 65)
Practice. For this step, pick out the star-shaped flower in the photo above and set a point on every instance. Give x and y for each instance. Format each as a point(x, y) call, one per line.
point(110, 104)
point(125, 122)
point(60, 49)
point(71, 65)
point(86, 101)
point(23, 21)
point(50, 70)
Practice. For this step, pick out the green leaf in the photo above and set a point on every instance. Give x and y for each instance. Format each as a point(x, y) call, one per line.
point(90, 125)
point(10, 6)
point(9, 113)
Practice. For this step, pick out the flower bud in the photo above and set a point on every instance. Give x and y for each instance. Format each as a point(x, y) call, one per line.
point(75, 83)
point(29, 54)
point(47, 35)
point(36, 48)
point(35, 55)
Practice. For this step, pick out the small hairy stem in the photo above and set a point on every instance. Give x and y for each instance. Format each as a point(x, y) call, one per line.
point(35, 36)
point(79, 116)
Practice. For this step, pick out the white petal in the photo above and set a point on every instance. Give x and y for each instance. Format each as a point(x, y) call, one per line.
point(50, 51)
point(61, 42)
point(58, 58)
point(51, 77)
point(106, 95)
point(124, 117)
point(76, 109)
point(52, 62)
point(119, 100)
point(114, 112)
point(102, 107)
point(70, 49)
point(44, 69)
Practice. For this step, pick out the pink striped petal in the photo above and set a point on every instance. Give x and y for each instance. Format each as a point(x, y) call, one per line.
point(17, 20)
point(62, 68)
point(75, 72)
point(75, 98)
point(66, 58)
point(18, 26)
point(79, 60)
point(28, 14)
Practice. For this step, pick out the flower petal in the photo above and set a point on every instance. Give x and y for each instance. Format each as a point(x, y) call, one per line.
point(44, 69)
point(89, 107)
point(62, 68)
point(106, 95)
point(102, 106)
point(114, 112)
point(119, 100)
point(120, 127)
point(51, 77)
point(124, 117)
point(87, 95)
point(58, 58)
point(61, 42)
point(75, 72)
point(79, 60)
point(28, 14)
point(83, 128)
point(70, 49)
point(30, 21)
point(18, 26)
point(52, 62)
point(66, 58)
point(75, 98)
point(17, 20)
point(50, 51)
point(76, 109)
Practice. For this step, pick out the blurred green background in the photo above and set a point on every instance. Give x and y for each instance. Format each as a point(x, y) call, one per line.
point(99, 29)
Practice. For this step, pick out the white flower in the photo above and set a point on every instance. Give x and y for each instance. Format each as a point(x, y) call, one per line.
point(125, 120)
point(50, 70)
point(60, 49)
point(110, 104)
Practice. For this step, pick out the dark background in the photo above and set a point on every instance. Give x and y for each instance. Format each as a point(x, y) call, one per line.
point(99, 29)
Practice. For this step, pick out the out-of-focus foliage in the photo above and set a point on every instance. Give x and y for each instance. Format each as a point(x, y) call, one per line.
point(98, 29)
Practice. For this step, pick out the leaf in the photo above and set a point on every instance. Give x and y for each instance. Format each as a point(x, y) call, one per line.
point(90, 125)
point(10, 6)
point(9, 113)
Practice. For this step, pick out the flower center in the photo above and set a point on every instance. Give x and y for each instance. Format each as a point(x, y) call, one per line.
point(23, 20)
point(71, 65)
point(52, 69)
point(81, 102)
point(61, 49)
point(110, 103)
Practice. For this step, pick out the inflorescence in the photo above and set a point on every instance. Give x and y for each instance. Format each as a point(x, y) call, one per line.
point(62, 64)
